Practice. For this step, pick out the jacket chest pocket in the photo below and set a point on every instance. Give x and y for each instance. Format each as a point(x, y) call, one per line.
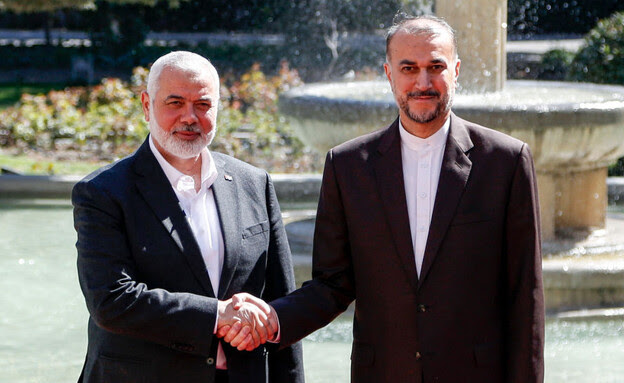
point(254, 245)
point(258, 229)
point(255, 238)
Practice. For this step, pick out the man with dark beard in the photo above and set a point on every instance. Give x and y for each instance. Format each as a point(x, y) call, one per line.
point(431, 225)
point(167, 235)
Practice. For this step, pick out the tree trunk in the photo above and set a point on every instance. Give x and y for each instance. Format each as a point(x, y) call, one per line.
point(47, 26)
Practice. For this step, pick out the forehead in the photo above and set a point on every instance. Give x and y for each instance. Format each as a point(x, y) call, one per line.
point(187, 83)
point(436, 45)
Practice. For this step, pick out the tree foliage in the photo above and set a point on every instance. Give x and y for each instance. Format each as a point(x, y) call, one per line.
point(536, 17)
point(31, 6)
point(601, 60)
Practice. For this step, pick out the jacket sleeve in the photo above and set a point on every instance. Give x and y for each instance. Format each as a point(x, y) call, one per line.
point(332, 287)
point(285, 365)
point(117, 300)
point(525, 300)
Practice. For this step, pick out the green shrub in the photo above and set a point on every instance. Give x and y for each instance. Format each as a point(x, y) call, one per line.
point(602, 59)
point(535, 17)
point(10, 93)
point(106, 121)
point(617, 169)
point(555, 65)
point(102, 119)
point(250, 127)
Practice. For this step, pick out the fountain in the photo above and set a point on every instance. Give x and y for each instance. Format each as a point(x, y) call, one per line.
point(569, 127)
point(574, 131)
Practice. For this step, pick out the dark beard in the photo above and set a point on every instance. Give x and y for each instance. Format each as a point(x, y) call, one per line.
point(443, 106)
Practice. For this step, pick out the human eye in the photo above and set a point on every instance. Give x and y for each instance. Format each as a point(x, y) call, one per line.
point(174, 102)
point(204, 105)
point(437, 68)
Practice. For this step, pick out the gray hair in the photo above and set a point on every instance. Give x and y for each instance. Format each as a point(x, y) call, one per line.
point(412, 25)
point(181, 60)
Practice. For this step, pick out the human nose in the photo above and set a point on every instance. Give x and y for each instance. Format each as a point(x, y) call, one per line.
point(423, 80)
point(188, 115)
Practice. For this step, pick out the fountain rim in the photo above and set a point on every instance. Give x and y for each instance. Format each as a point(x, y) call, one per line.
point(309, 95)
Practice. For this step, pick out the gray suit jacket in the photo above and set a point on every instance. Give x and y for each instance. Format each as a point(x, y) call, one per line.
point(476, 313)
point(151, 304)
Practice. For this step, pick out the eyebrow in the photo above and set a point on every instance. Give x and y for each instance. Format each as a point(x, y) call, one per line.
point(174, 97)
point(410, 62)
point(177, 97)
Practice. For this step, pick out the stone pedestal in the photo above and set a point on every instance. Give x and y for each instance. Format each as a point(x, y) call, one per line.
point(546, 185)
point(581, 199)
point(481, 31)
point(572, 202)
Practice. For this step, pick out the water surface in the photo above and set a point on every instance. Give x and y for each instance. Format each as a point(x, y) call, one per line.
point(516, 94)
point(43, 322)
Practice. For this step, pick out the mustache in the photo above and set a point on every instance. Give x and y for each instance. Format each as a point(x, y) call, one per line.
point(187, 128)
point(426, 93)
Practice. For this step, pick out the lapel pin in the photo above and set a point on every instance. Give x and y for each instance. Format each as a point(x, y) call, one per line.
point(227, 177)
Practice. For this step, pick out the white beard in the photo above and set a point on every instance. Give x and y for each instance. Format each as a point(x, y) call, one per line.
point(180, 148)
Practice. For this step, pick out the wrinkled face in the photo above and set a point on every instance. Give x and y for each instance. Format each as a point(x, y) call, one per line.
point(422, 70)
point(182, 115)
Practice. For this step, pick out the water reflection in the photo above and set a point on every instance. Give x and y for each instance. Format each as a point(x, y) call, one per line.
point(42, 331)
point(576, 351)
point(43, 324)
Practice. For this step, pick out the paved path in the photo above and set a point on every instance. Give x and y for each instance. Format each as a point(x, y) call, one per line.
point(80, 38)
point(543, 46)
point(77, 38)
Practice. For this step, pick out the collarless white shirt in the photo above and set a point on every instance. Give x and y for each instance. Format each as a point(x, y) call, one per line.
point(422, 162)
point(201, 213)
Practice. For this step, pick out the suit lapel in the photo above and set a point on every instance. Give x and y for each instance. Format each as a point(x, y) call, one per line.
point(159, 195)
point(454, 174)
point(388, 169)
point(228, 207)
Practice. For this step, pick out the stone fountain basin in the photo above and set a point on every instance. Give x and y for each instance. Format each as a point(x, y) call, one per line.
point(570, 124)
point(575, 132)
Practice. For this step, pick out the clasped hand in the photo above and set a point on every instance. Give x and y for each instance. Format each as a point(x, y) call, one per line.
point(245, 322)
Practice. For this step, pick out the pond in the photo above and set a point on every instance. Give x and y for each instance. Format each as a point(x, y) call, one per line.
point(43, 323)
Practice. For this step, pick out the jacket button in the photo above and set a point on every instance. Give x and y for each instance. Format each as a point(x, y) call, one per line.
point(422, 308)
point(417, 355)
point(210, 361)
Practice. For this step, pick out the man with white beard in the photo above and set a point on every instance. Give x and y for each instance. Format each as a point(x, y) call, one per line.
point(167, 235)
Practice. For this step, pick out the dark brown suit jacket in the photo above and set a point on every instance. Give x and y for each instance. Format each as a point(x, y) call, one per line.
point(476, 313)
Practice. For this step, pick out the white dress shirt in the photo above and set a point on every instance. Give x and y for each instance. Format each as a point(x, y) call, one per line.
point(422, 161)
point(201, 213)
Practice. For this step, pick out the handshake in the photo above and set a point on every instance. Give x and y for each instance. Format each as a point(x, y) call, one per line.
point(246, 322)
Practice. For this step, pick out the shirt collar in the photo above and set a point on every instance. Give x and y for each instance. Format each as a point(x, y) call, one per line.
point(180, 181)
point(436, 140)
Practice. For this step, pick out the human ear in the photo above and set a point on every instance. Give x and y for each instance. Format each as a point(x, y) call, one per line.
point(388, 71)
point(145, 103)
